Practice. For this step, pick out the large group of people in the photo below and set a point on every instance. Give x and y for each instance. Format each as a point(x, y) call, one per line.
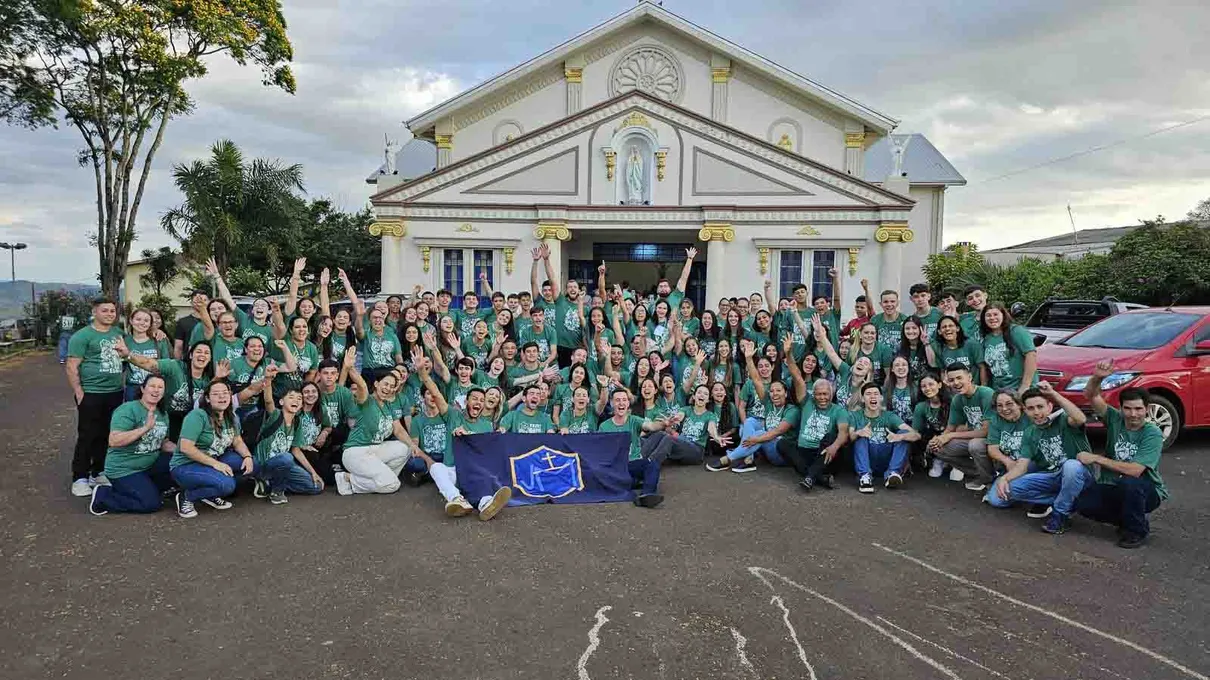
point(294, 398)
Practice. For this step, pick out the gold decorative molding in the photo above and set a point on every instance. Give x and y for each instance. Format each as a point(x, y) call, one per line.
point(893, 232)
point(467, 228)
point(573, 74)
point(444, 141)
point(635, 119)
point(552, 231)
point(716, 231)
point(853, 252)
point(854, 140)
point(808, 231)
point(508, 260)
point(426, 252)
point(395, 228)
point(611, 163)
point(785, 142)
point(661, 161)
point(720, 74)
point(764, 261)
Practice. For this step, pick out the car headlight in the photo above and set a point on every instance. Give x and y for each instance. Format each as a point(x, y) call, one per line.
point(1112, 381)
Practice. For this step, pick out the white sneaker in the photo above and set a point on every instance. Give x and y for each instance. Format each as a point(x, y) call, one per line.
point(938, 468)
point(343, 484)
point(956, 475)
point(458, 507)
point(99, 480)
point(499, 500)
point(976, 486)
point(81, 487)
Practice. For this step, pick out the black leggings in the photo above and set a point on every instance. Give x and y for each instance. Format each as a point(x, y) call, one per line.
point(808, 462)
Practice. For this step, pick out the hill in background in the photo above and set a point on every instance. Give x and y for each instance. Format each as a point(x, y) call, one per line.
point(14, 296)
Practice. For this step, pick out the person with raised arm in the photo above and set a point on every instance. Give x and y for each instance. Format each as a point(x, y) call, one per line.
point(823, 429)
point(1049, 471)
point(862, 309)
point(299, 309)
point(279, 465)
point(1128, 486)
point(137, 461)
point(371, 462)
point(530, 418)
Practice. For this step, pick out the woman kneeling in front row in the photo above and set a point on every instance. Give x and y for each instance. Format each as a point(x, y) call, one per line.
point(137, 461)
point(210, 453)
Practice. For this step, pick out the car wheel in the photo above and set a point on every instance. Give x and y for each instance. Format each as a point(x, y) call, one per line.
point(1164, 414)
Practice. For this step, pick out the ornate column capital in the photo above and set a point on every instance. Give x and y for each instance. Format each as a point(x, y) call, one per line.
point(556, 231)
point(573, 74)
point(854, 140)
point(720, 74)
point(893, 232)
point(716, 231)
point(395, 228)
point(444, 141)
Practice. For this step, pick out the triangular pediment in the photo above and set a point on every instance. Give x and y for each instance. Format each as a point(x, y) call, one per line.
point(563, 163)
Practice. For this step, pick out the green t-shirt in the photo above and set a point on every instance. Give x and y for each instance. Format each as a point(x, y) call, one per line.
point(243, 373)
point(100, 365)
point(148, 348)
point(633, 425)
point(1052, 444)
point(753, 407)
point(477, 353)
point(665, 406)
point(547, 339)
point(969, 323)
point(464, 321)
point(374, 424)
point(564, 393)
point(433, 434)
point(518, 421)
point(1006, 368)
point(581, 424)
point(520, 372)
point(970, 354)
point(307, 359)
point(800, 343)
point(881, 426)
point(898, 400)
point(929, 321)
point(815, 424)
point(1143, 446)
point(695, 427)
point(927, 418)
point(309, 427)
point(890, 333)
point(251, 328)
point(691, 327)
point(569, 330)
point(787, 413)
point(339, 406)
point(276, 438)
point(973, 410)
point(198, 429)
point(1006, 434)
point(379, 350)
point(180, 391)
point(142, 453)
point(455, 392)
point(880, 357)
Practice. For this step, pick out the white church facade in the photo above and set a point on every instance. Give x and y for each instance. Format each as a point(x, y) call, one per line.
point(644, 136)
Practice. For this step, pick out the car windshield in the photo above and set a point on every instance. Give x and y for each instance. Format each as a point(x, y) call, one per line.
point(1146, 330)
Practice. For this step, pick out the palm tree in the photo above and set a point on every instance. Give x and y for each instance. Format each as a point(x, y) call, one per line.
point(162, 268)
point(228, 200)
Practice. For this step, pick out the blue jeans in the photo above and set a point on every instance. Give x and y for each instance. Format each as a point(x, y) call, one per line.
point(64, 338)
point(1124, 504)
point(882, 458)
point(645, 471)
point(1058, 489)
point(139, 492)
point(751, 428)
point(202, 481)
point(283, 473)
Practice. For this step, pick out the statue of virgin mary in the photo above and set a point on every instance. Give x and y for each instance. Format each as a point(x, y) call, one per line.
point(634, 177)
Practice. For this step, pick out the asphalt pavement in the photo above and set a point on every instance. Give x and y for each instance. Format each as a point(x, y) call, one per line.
point(735, 576)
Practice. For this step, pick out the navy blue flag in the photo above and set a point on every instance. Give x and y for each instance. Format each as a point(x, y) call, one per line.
point(545, 468)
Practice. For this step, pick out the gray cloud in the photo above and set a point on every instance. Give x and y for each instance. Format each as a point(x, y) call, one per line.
point(997, 87)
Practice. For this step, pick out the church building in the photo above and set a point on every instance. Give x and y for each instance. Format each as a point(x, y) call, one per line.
point(642, 137)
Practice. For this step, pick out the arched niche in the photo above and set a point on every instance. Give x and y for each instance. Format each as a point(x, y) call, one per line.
point(506, 131)
point(787, 134)
point(635, 133)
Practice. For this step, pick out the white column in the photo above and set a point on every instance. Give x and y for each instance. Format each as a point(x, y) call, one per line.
point(720, 75)
point(574, 77)
point(854, 153)
point(392, 233)
point(716, 235)
point(445, 150)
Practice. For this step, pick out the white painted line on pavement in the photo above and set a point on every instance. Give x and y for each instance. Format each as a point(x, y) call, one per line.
point(594, 641)
point(756, 571)
point(740, 643)
point(1041, 610)
point(802, 653)
point(951, 652)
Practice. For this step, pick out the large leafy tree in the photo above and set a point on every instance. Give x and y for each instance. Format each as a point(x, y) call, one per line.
point(235, 211)
point(115, 71)
point(162, 268)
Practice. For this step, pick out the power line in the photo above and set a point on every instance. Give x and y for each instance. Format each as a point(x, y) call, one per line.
point(1095, 149)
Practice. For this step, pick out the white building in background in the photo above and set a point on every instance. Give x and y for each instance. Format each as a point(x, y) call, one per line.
point(646, 135)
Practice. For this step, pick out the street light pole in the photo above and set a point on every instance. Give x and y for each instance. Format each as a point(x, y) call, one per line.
point(12, 249)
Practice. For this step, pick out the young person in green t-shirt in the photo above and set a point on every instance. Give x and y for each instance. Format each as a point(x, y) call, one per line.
point(1049, 471)
point(963, 444)
point(951, 346)
point(644, 471)
point(1128, 486)
point(972, 320)
point(94, 372)
point(760, 434)
point(923, 311)
point(211, 454)
point(889, 322)
point(372, 463)
point(581, 417)
point(280, 464)
point(1010, 359)
point(530, 418)
point(445, 474)
point(137, 461)
point(880, 441)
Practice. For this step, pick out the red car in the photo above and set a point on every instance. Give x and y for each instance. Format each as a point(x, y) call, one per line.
point(1166, 351)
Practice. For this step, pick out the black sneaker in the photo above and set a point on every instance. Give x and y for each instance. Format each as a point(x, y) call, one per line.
point(826, 481)
point(1131, 540)
point(894, 481)
point(649, 500)
point(413, 479)
point(1039, 511)
point(866, 484)
point(1056, 523)
point(807, 484)
point(718, 465)
point(744, 466)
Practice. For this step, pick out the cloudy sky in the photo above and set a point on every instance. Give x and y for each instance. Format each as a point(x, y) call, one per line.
point(998, 87)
